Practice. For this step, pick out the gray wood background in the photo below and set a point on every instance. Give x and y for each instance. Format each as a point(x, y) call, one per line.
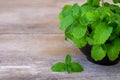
point(31, 42)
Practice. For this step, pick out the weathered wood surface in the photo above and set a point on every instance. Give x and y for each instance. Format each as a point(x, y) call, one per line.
point(30, 42)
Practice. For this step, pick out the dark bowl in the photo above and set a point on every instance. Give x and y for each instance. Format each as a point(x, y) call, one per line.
point(87, 51)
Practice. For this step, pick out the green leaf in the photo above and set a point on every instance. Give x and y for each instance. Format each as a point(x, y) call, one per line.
point(66, 10)
point(113, 8)
point(68, 32)
point(104, 12)
point(113, 36)
point(85, 8)
point(66, 22)
point(114, 21)
point(113, 49)
point(68, 60)
point(68, 63)
point(116, 1)
point(89, 2)
point(79, 42)
point(98, 53)
point(79, 30)
point(93, 2)
point(96, 2)
point(60, 16)
point(112, 53)
point(116, 43)
point(68, 36)
point(83, 20)
point(76, 10)
point(90, 41)
point(92, 16)
point(118, 22)
point(118, 29)
point(68, 68)
point(58, 67)
point(76, 67)
point(102, 33)
point(115, 18)
point(67, 7)
point(89, 17)
point(106, 4)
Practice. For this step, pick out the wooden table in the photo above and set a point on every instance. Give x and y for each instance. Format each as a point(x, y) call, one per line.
point(31, 42)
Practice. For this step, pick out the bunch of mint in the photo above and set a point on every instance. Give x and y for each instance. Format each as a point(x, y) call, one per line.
point(93, 24)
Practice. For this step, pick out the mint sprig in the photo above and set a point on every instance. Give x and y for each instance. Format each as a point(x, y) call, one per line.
point(95, 25)
point(67, 66)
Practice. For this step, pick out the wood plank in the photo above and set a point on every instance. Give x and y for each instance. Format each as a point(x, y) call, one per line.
point(40, 70)
point(34, 45)
point(25, 16)
point(29, 20)
point(30, 56)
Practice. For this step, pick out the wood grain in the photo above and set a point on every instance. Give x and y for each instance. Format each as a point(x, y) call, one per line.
point(36, 44)
point(31, 42)
point(25, 16)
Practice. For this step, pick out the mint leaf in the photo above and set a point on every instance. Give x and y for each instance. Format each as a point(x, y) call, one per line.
point(116, 43)
point(68, 63)
point(102, 33)
point(66, 10)
point(92, 16)
point(114, 21)
point(68, 68)
point(116, 1)
point(67, 7)
point(113, 49)
point(113, 8)
point(98, 53)
point(115, 18)
point(89, 17)
point(112, 52)
point(104, 12)
point(68, 32)
point(96, 2)
point(89, 2)
point(66, 22)
point(79, 30)
point(118, 29)
point(93, 2)
point(86, 8)
point(76, 67)
point(90, 41)
point(79, 42)
point(113, 36)
point(76, 10)
point(60, 16)
point(58, 67)
point(68, 60)
point(77, 38)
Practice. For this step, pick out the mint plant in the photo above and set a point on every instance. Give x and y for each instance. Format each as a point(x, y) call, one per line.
point(94, 24)
point(67, 66)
